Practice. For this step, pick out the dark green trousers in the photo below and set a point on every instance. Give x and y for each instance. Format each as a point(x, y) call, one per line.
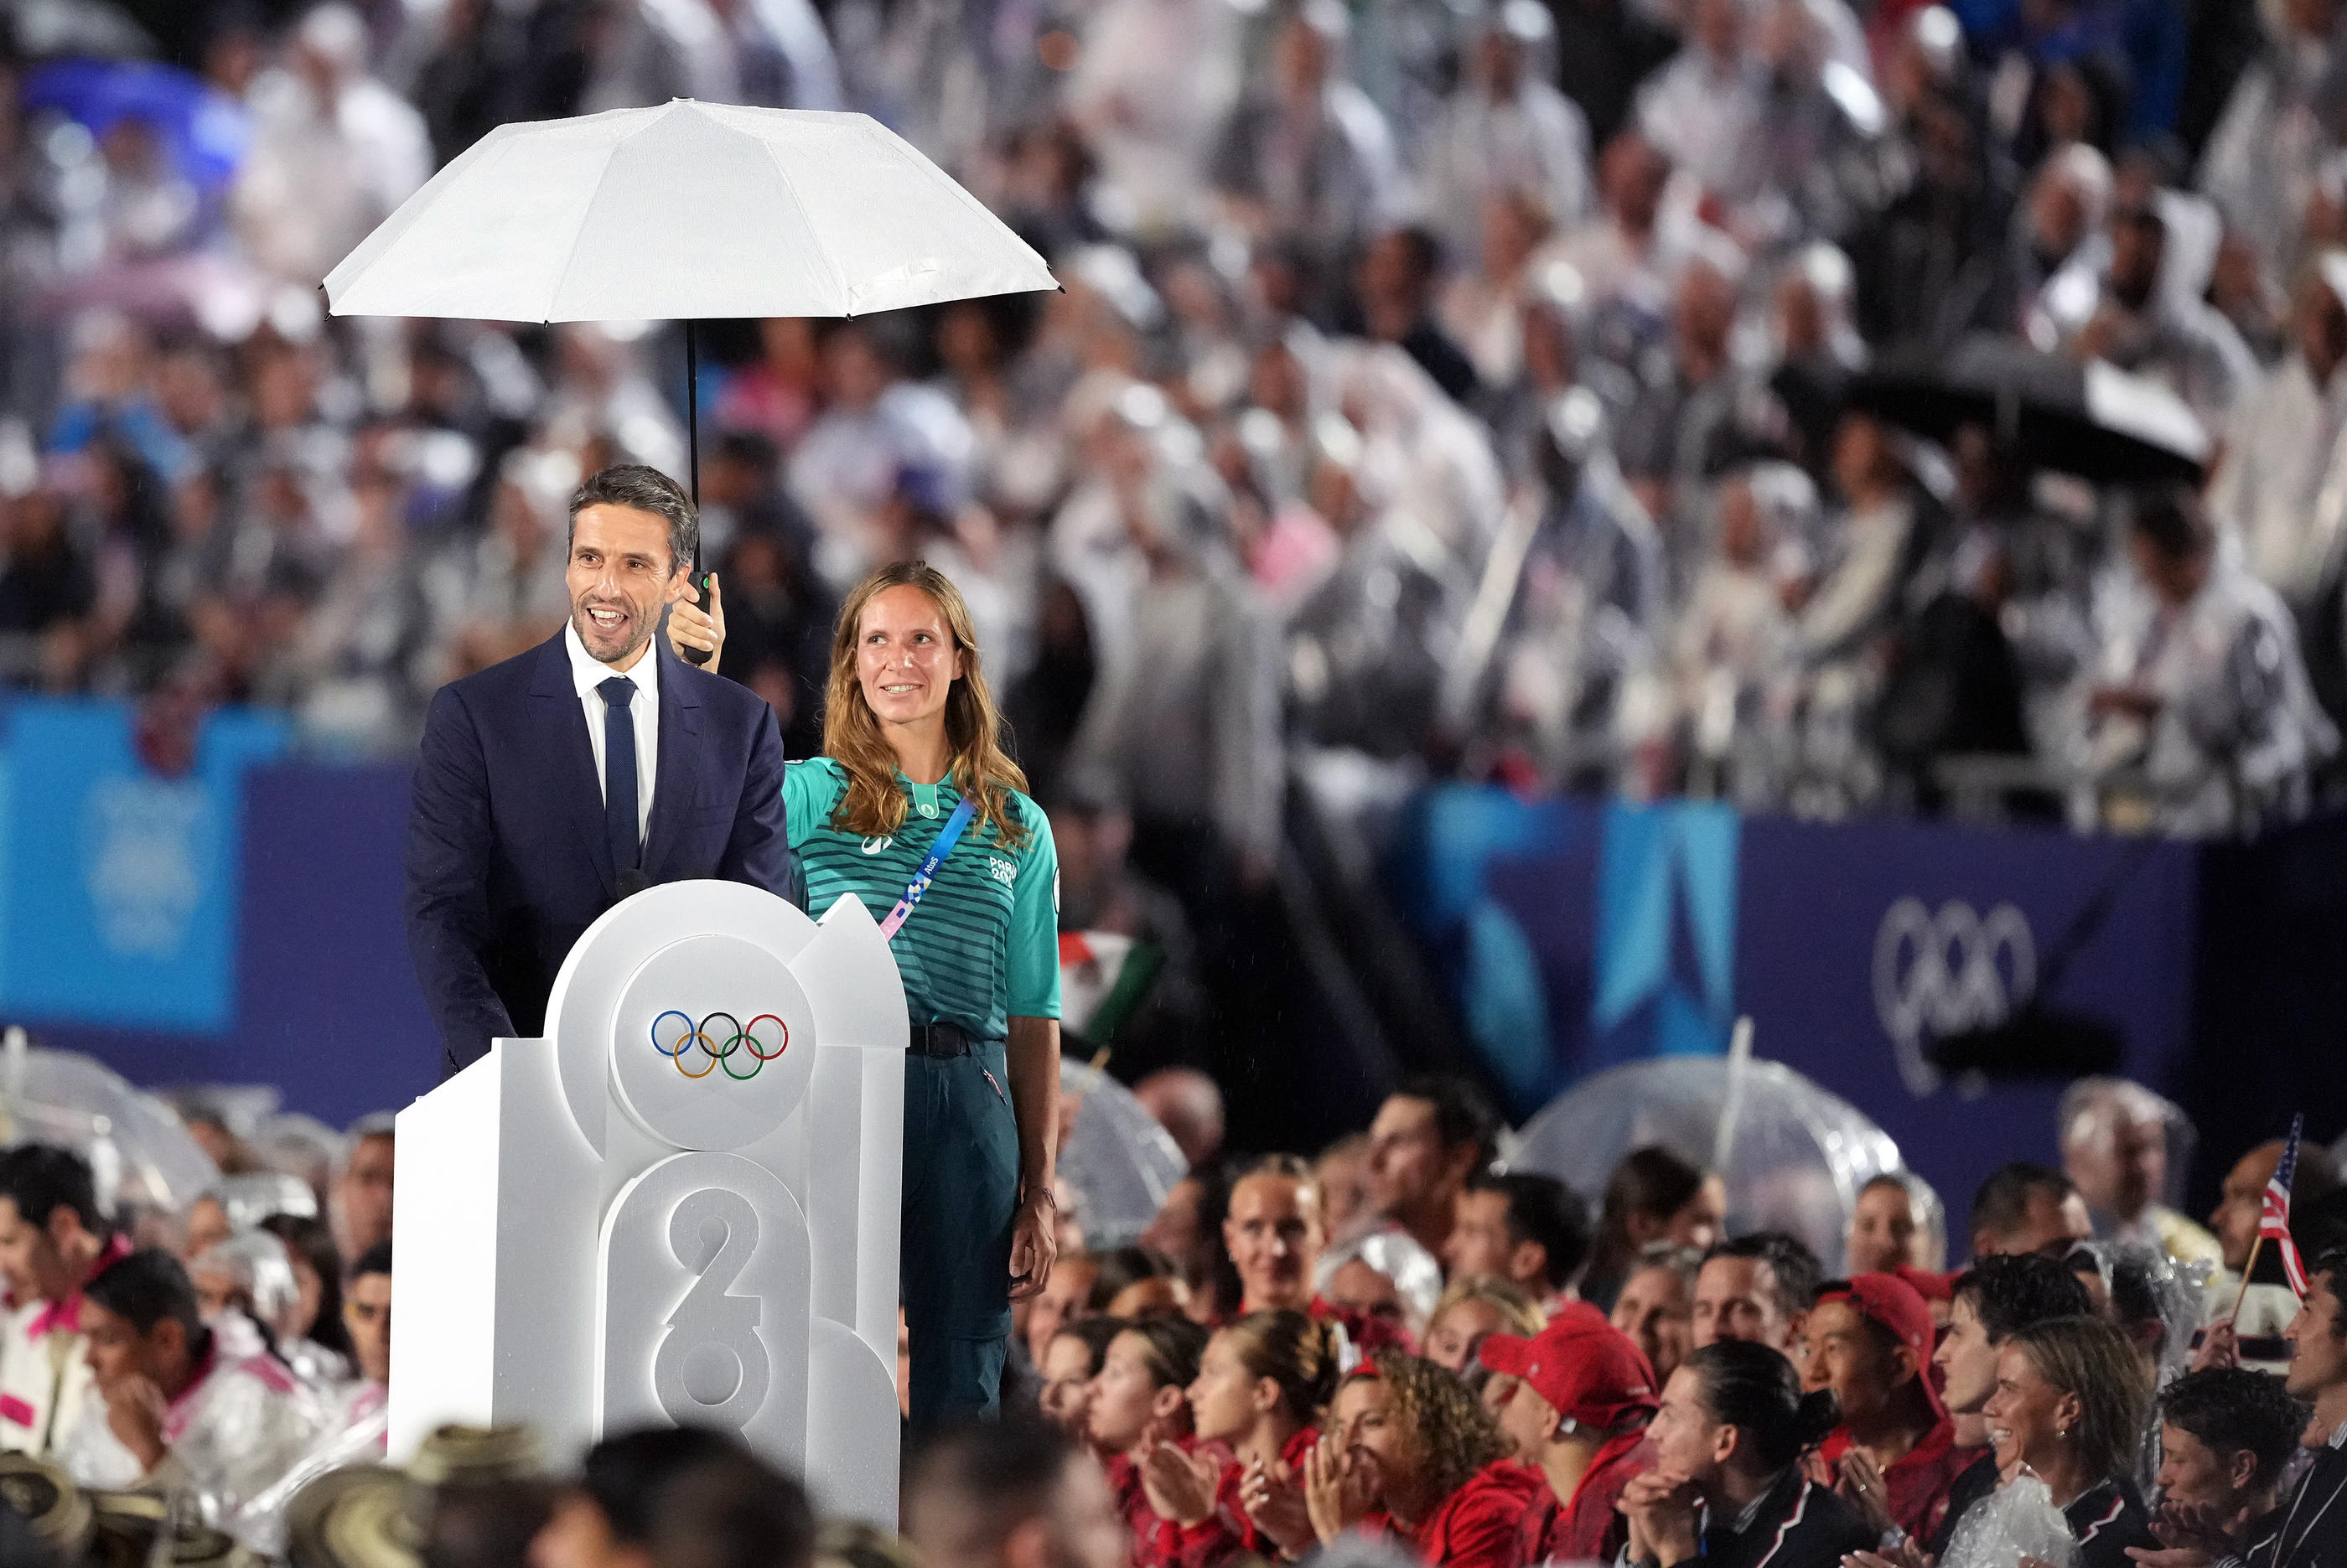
point(961, 1192)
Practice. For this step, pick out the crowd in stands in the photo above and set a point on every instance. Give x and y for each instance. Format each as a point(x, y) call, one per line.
point(1449, 1375)
point(1438, 390)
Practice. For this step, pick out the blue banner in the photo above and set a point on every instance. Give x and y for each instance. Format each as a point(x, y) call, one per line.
point(1577, 935)
point(121, 881)
point(1858, 943)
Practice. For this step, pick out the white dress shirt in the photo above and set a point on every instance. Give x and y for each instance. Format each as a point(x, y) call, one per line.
point(588, 673)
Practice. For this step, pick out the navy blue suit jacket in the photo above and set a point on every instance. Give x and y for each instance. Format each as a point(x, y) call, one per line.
point(506, 859)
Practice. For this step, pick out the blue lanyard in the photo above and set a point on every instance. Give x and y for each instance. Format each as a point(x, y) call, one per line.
point(947, 836)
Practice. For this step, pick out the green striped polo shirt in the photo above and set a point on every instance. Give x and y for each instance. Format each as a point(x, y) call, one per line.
point(982, 947)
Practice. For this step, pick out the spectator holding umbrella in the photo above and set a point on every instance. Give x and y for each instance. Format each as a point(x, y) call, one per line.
point(1653, 1196)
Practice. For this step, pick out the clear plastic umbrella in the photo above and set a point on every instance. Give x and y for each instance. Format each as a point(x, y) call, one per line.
point(1120, 1161)
point(1796, 1155)
point(142, 1156)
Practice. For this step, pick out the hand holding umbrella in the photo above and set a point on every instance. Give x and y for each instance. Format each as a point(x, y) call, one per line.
point(699, 634)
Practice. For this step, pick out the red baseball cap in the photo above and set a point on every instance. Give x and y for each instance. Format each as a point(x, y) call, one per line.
point(1929, 1285)
point(1590, 1370)
point(1900, 1308)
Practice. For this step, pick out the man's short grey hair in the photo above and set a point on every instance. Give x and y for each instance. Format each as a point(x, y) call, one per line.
point(647, 490)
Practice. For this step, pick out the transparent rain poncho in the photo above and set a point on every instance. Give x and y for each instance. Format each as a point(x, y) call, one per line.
point(2131, 1271)
point(241, 1426)
point(1120, 1161)
point(1793, 1156)
point(2017, 1520)
point(256, 1195)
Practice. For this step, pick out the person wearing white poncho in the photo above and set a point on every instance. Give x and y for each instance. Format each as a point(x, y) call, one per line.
point(172, 1411)
point(357, 1421)
point(53, 1240)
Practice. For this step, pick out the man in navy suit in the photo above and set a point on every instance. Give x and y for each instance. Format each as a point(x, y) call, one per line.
point(597, 764)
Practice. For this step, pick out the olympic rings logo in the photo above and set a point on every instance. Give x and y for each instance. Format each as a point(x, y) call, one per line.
point(720, 1041)
point(1941, 973)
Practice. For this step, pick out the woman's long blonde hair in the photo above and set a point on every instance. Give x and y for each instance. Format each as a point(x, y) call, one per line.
point(873, 807)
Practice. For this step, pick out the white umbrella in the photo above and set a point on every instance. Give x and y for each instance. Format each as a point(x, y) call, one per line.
point(687, 211)
point(684, 211)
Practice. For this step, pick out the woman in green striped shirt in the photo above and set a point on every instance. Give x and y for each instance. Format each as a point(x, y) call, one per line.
point(910, 731)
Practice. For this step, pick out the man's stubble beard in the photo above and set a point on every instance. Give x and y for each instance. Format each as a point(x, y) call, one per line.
point(585, 628)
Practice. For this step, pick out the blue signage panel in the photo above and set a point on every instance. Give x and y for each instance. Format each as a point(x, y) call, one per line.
point(122, 881)
point(330, 1008)
point(1577, 935)
point(1859, 943)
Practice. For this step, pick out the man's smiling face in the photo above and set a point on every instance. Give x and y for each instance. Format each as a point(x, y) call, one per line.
point(621, 577)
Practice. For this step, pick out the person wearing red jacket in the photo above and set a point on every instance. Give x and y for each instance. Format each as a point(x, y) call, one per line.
point(1584, 1394)
point(1276, 1232)
point(1137, 1408)
point(1893, 1457)
point(1411, 1453)
point(1260, 1386)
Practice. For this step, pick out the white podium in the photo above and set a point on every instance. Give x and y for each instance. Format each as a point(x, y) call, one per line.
point(681, 1207)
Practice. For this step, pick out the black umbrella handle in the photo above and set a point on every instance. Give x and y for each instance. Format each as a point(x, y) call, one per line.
point(692, 451)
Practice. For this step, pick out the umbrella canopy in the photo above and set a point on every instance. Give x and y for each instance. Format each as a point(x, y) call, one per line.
point(1120, 1162)
point(684, 211)
point(140, 1153)
point(2085, 417)
point(1796, 1155)
point(202, 131)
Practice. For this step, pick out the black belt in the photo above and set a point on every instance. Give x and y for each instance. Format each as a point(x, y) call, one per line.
point(943, 1041)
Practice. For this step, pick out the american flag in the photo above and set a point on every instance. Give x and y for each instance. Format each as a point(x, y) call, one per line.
point(2274, 1214)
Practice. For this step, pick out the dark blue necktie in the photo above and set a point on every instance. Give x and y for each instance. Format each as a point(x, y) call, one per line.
point(619, 773)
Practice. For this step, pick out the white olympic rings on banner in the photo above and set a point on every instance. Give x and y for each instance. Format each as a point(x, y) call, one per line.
point(1940, 974)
